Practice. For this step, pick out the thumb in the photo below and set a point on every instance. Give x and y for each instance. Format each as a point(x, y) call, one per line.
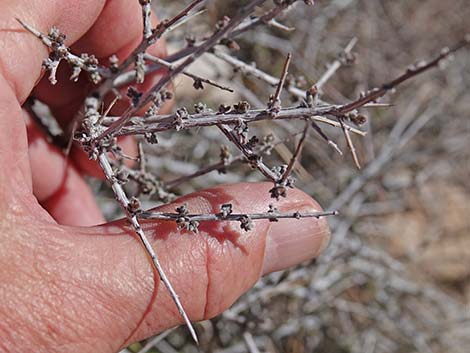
point(103, 286)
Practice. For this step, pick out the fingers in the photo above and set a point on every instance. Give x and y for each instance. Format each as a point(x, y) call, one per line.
point(57, 184)
point(209, 270)
point(118, 30)
point(67, 283)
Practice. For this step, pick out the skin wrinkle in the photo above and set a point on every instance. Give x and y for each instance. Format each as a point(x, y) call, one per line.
point(76, 298)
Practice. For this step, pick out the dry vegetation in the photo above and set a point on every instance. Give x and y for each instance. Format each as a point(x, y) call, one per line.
point(396, 276)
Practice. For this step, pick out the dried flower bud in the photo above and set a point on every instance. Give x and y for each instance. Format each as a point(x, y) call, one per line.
point(358, 119)
point(251, 144)
point(200, 108)
point(223, 109)
point(311, 96)
point(190, 40)
point(273, 211)
point(134, 95)
point(192, 226)
point(151, 137)
point(254, 160)
point(197, 84)
point(246, 223)
point(134, 205)
point(182, 210)
point(56, 36)
point(278, 191)
point(221, 24)
point(241, 107)
point(226, 210)
point(230, 43)
point(241, 129)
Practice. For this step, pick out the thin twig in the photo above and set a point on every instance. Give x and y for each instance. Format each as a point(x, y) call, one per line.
point(350, 143)
point(161, 29)
point(336, 64)
point(275, 101)
point(233, 217)
point(203, 48)
point(196, 78)
point(296, 154)
point(131, 210)
point(146, 13)
point(411, 72)
point(157, 123)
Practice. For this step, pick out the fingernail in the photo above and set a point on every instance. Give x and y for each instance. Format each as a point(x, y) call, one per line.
point(292, 241)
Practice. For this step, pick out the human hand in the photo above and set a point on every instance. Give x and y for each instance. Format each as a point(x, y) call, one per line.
point(67, 287)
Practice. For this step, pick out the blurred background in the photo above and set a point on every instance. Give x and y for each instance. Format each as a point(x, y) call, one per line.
point(396, 276)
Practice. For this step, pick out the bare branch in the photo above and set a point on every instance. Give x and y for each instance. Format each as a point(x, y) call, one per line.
point(344, 57)
point(275, 101)
point(233, 217)
point(296, 154)
point(196, 78)
point(203, 48)
point(55, 41)
point(131, 208)
point(350, 143)
point(156, 123)
point(411, 72)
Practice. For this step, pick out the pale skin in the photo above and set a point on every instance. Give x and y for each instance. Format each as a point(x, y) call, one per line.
point(70, 285)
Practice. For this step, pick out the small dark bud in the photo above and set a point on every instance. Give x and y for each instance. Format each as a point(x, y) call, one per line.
point(254, 160)
point(273, 211)
point(223, 109)
point(182, 113)
point(358, 119)
point(190, 40)
point(251, 144)
point(134, 205)
point(56, 36)
point(167, 95)
point(241, 107)
point(134, 95)
point(151, 137)
point(222, 23)
point(246, 223)
point(200, 107)
point(311, 96)
point(226, 210)
point(197, 84)
point(241, 129)
point(230, 43)
point(192, 226)
point(182, 210)
point(278, 191)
